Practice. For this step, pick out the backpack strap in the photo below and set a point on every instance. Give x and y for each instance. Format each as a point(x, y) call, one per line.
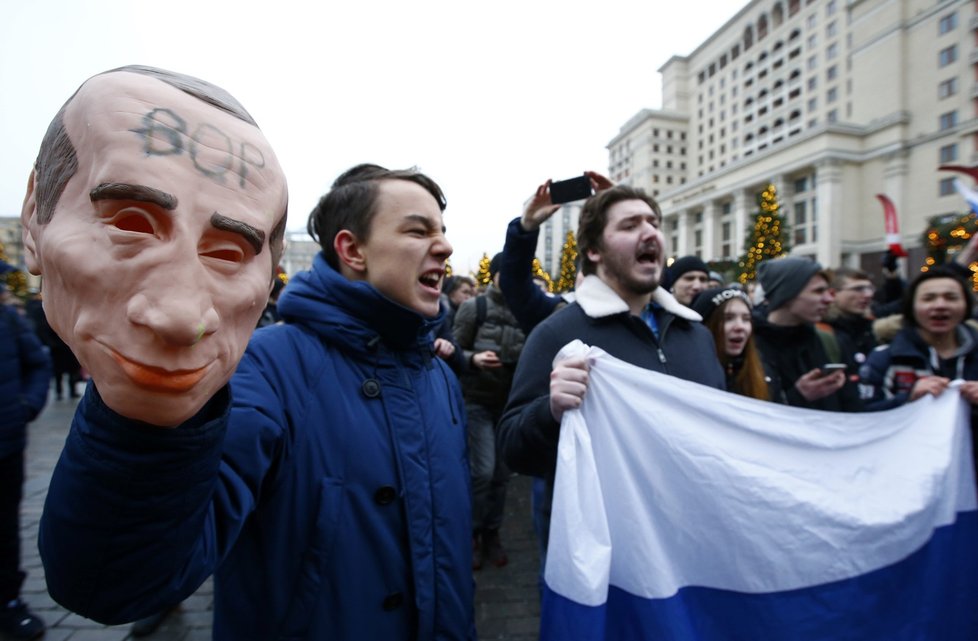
point(480, 310)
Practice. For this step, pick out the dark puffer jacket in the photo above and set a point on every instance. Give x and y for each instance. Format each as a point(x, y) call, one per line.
point(331, 498)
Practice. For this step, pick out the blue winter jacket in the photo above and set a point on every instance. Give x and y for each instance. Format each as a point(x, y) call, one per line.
point(24, 384)
point(331, 500)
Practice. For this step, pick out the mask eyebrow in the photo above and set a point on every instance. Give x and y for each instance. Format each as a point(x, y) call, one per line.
point(255, 237)
point(140, 193)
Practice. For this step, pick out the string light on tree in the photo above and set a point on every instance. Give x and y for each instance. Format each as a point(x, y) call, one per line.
point(539, 272)
point(568, 264)
point(483, 277)
point(448, 268)
point(945, 236)
point(767, 239)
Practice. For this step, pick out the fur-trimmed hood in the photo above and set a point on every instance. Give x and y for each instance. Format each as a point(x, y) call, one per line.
point(598, 300)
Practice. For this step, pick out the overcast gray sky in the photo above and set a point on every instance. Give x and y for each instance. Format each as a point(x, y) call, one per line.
point(490, 99)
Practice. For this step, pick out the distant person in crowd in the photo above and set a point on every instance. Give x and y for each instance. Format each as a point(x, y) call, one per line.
point(23, 393)
point(795, 354)
point(455, 291)
point(620, 308)
point(492, 341)
point(321, 474)
point(687, 277)
point(935, 347)
point(726, 312)
point(715, 280)
point(850, 317)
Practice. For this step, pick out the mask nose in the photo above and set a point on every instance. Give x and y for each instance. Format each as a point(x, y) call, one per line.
point(180, 319)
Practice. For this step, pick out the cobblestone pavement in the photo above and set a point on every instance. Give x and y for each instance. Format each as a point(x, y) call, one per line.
point(506, 598)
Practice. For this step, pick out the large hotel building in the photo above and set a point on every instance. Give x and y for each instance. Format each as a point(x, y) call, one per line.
point(832, 102)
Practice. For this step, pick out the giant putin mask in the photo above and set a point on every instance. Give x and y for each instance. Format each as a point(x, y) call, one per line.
point(156, 256)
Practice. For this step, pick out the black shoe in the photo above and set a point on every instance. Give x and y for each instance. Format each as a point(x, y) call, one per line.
point(148, 625)
point(17, 622)
point(492, 548)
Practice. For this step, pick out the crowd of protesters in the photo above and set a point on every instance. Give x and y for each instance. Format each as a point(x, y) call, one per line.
point(346, 480)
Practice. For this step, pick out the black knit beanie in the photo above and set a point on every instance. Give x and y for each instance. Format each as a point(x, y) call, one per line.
point(680, 266)
point(783, 278)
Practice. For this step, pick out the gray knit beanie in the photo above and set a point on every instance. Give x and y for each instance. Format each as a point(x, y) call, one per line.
point(783, 278)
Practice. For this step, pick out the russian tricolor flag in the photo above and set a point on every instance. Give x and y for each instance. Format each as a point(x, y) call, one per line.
point(682, 512)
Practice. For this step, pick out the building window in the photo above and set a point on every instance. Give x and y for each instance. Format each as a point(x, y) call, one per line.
point(948, 153)
point(830, 8)
point(831, 73)
point(947, 23)
point(832, 51)
point(832, 116)
point(947, 55)
point(945, 187)
point(811, 83)
point(832, 95)
point(803, 212)
point(947, 88)
point(812, 104)
point(812, 63)
point(948, 120)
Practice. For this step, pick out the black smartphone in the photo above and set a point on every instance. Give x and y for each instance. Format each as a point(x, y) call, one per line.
point(566, 191)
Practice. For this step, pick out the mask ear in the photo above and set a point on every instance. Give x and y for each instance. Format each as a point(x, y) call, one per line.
point(353, 263)
point(28, 218)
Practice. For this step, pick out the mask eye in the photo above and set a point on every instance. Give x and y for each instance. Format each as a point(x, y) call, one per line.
point(134, 223)
point(226, 255)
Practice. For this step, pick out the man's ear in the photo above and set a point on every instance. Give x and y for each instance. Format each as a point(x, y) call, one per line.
point(347, 247)
point(28, 222)
point(594, 256)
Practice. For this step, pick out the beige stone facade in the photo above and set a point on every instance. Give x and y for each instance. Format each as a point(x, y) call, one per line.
point(833, 102)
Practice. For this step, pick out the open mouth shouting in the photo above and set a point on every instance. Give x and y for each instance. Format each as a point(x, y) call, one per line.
point(648, 255)
point(431, 280)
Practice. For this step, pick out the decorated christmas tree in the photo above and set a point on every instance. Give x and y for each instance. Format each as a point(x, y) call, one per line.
point(767, 239)
point(448, 268)
point(568, 266)
point(538, 272)
point(15, 279)
point(483, 278)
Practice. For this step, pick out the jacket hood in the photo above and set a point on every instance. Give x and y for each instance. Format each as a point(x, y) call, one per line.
point(597, 300)
point(351, 312)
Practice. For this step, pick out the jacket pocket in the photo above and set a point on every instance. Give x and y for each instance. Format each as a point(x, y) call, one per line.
point(309, 581)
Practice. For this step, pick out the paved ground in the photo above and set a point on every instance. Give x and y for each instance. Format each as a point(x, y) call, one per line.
point(506, 599)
